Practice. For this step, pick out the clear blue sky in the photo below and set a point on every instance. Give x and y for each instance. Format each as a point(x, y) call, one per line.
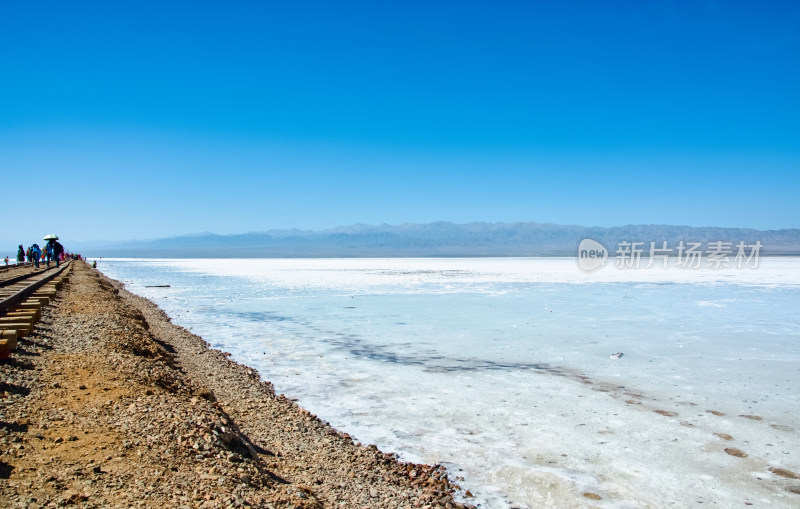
point(150, 119)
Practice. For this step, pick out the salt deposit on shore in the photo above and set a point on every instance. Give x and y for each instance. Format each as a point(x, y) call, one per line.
point(108, 404)
point(501, 369)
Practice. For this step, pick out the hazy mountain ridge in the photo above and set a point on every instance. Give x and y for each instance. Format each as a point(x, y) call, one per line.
point(437, 239)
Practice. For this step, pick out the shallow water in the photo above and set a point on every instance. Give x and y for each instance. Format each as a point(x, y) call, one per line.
point(501, 369)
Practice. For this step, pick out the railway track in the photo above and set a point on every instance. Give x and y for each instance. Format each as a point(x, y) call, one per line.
point(12, 266)
point(21, 273)
point(9, 271)
point(21, 300)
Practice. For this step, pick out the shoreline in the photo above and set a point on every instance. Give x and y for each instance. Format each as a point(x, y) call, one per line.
point(184, 427)
point(610, 429)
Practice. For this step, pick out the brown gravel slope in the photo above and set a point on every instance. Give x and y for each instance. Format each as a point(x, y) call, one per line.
point(109, 404)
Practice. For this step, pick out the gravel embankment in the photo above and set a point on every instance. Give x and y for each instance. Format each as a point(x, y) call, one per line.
point(108, 404)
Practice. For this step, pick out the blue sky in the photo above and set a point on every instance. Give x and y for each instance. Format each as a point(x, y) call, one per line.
point(150, 119)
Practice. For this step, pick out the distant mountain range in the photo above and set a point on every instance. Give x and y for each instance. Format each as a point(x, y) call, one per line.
point(436, 239)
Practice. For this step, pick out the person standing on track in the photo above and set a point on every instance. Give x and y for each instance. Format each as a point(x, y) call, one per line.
point(20, 255)
point(49, 249)
point(36, 254)
point(58, 250)
point(54, 251)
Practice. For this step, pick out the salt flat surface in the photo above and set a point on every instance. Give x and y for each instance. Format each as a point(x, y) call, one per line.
point(501, 369)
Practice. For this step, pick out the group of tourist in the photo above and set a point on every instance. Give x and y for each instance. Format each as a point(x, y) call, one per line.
point(52, 251)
